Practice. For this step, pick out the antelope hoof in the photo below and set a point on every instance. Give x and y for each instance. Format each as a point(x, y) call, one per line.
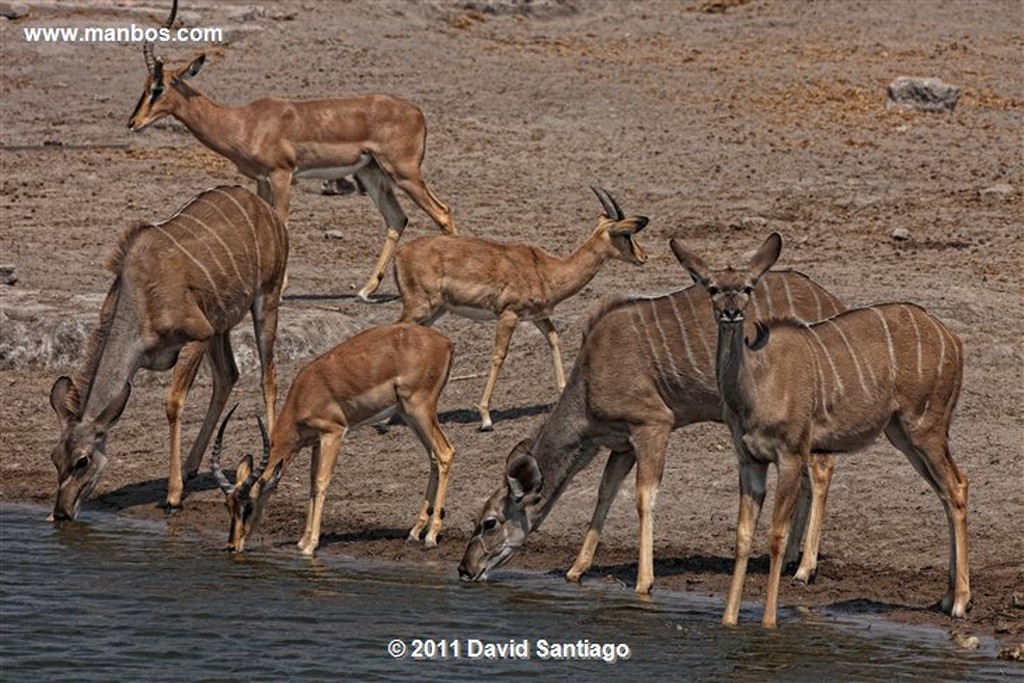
point(485, 423)
point(173, 508)
point(573, 576)
point(805, 577)
point(429, 543)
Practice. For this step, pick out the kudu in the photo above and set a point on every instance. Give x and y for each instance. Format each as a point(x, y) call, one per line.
point(379, 138)
point(367, 378)
point(646, 368)
point(179, 288)
point(482, 279)
point(831, 387)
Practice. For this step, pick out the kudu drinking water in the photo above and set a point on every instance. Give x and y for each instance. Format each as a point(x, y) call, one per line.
point(831, 387)
point(380, 139)
point(366, 378)
point(179, 288)
point(646, 368)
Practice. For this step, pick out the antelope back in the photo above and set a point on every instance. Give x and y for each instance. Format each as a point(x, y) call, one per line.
point(226, 246)
point(673, 337)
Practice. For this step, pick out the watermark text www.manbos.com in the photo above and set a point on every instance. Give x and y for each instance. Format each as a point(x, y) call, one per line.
point(508, 650)
point(122, 34)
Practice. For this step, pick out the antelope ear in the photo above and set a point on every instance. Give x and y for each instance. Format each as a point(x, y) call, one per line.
point(693, 264)
point(191, 70)
point(766, 255)
point(523, 473)
point(62, 391)
point(108, 418)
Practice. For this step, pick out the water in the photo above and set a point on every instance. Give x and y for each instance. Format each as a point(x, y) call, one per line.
point(111, 600)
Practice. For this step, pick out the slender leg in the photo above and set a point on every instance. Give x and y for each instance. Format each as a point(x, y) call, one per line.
point(615, 470)
point(409, 178)
point(820, 467)
point(330, 446)
point(424, 421)
point(225, 375)
point(547, 328)
point(264, 322)
point(800, 519)
point(506, 326)
point(929, 453)
point(790, 468)
point(650, 442)
point(380, 189)
point(189, 359)
point(753, 476)
point(314, 468)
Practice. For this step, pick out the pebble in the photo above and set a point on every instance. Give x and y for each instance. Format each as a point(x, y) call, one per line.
point(901, 234)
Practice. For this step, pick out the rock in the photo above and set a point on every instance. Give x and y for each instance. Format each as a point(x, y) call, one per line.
point(13, 10)
point(966, 642)
point(1017, 600)
point(190, 18)
point(250, 13)
point(901, 234)
point(749, 223)
point(334, 235)
point(1012, 654)
point(922, 94)
point(8, 274)
point(1000, 191)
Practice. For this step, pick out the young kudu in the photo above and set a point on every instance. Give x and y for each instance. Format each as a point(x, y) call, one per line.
point(379, 138)
point(646, 368)
point(831, 387)
point(485, 280)
point(367, 378)
point(179, 288)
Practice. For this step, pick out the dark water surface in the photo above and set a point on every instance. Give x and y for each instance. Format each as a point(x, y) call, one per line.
point(112, 600)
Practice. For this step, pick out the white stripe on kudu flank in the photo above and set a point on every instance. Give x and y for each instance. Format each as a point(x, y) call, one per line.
point(888, 342)
point(917, 336)
point(252, 227)
point(684, 335)
point(216, 206)
point(213, 285)
point(664, 340)
point(789, 298)
point(856, 361)
point(703, 338)
point(828, 355)
point(213, 253)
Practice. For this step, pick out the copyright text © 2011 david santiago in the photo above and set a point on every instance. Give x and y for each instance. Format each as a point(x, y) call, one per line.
point(508, 650)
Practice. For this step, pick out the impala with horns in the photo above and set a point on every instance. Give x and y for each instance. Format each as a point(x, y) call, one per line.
point(831, 387)
point(379, 138)
point(485, 280)
point(179, 288)
point(365, 379)
point(646, 368)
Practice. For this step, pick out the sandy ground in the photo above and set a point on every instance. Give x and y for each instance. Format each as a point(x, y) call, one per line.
point(719, 125)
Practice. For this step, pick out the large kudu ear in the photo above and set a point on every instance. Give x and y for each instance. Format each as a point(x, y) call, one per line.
point(522, 472)
point(63, 394)
point(191, 70)
point(766, 255)
point(108, 418)
point(693, 264)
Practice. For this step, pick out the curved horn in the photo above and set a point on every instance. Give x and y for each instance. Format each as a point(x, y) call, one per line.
point(147, 46)
point(611, 208)
point(247, 485)
point(218, 474)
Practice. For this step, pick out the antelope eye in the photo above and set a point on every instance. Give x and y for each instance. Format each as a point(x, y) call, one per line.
point(80, 463)
point(748, 290)
point(712, 290)
point(490, 523)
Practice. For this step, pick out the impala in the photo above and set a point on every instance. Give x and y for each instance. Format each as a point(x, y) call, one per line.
point(379, 138)
point(482, 279)
point(831, 387)
point(179, 288)
point(646, 368)
point(367, 378)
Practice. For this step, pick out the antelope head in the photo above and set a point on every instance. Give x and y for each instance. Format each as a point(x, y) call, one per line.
point(247, 497)
point(505, 520)
point(163, 89)
point(80, 455)
point(730, 289)
point(621, 230)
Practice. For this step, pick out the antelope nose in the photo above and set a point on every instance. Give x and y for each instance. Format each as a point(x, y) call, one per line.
point(464, 573)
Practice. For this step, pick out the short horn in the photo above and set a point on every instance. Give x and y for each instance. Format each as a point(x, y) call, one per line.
point(611, 208)
point(218, 473)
